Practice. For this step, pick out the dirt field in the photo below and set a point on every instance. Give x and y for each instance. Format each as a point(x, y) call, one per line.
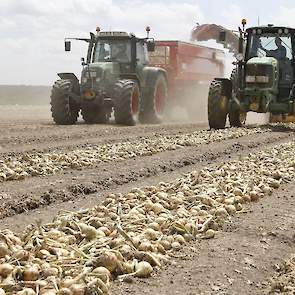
point(241, 257)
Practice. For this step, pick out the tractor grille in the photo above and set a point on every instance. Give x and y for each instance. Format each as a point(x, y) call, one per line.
point(256, 70)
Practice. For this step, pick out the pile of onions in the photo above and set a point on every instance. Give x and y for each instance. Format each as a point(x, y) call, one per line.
point(28, 165)
point(131, 234)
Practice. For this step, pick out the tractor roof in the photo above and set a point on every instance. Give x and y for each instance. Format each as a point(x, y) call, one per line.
point(271, 28)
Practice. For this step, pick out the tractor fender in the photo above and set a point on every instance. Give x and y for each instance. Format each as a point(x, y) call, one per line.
point(150, 75)
point(227, 87)
point(73, 78)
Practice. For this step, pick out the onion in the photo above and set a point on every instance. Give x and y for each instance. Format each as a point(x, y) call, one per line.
point(5, 269)
point(180, 239)
point(4, 250)
point(89, 231)
point(26, 291)
point(166, 244)
point(47, 292)
point(237, 192)
point(65, 291)
point(158, 208)
point(274, 183)
point(222, 212)
point(31, 273)
point(155, 226)
point(210, 233)
point(78, 289)
point(151, 234)
point(109, 260)
point(145, 246)
point(50, 271)
point(176, 246)
point(103, 273)
point(143, 269)
point(231, 209)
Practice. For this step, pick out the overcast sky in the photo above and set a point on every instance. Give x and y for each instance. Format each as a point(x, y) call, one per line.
point(32, 31)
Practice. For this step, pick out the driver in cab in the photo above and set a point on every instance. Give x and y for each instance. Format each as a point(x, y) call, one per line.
point(280, 53)
point(119, 52)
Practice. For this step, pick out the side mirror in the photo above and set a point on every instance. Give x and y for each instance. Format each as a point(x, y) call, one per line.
point(222, 36)
point(151, 46)
point(67, 45)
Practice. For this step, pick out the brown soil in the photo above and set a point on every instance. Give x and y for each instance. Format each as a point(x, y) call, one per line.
point(239, 260)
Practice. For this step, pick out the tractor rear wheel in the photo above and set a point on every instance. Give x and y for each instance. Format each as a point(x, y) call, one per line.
point(155, 101)
point(237, 118)
point(217, 106)
point(93, 114)
point(63, 109)
point(127, 102)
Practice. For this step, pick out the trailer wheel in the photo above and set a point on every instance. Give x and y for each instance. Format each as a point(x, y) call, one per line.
point(217, 106)
point(127, 102)
point(93, 114)
point(63, 109)
point(154, 102)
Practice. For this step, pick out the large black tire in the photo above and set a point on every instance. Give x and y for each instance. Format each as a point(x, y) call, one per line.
point(127, 102)
point(93, 114)
point(236, 117)
point(217, 106)
point(63, 109)
point(155, 101)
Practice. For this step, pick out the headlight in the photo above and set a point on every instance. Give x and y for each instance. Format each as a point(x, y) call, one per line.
point(239, 57)
point(257, 79)
point(262, 79)
point(250, 79)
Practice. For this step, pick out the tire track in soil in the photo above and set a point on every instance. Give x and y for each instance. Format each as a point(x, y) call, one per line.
point(85, 188)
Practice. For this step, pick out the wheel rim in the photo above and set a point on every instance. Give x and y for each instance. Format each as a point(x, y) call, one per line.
point(135, 102)
point(160, 96)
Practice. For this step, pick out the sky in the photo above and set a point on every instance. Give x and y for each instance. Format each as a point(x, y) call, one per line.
point(32, 32)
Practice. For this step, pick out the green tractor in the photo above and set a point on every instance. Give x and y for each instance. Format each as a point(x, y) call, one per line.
point(116, 78)
point(263, 80)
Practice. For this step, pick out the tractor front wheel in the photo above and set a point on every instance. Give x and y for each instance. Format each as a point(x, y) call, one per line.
point(93, 114)
point(237, 118)
point(63, 108)
point(127, 102)
point(217, 106)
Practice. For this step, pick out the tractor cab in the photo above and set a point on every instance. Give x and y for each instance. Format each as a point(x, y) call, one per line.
point(270, 58)
point(116, 80)
point(263, 80)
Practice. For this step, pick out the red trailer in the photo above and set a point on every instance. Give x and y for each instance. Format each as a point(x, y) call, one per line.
point(190, 69)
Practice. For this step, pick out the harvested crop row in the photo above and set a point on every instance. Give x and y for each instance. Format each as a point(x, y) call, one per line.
point(128, 235)
point(20, 167)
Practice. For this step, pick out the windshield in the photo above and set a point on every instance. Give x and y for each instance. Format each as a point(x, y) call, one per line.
point(271, 45)
point(112, 50)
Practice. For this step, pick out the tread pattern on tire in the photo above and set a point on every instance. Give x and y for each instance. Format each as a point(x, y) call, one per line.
point(234, 116)
point(216, 115)
point(63, 111)
point(93, 114)
point(123, 99)
point(148, 114)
